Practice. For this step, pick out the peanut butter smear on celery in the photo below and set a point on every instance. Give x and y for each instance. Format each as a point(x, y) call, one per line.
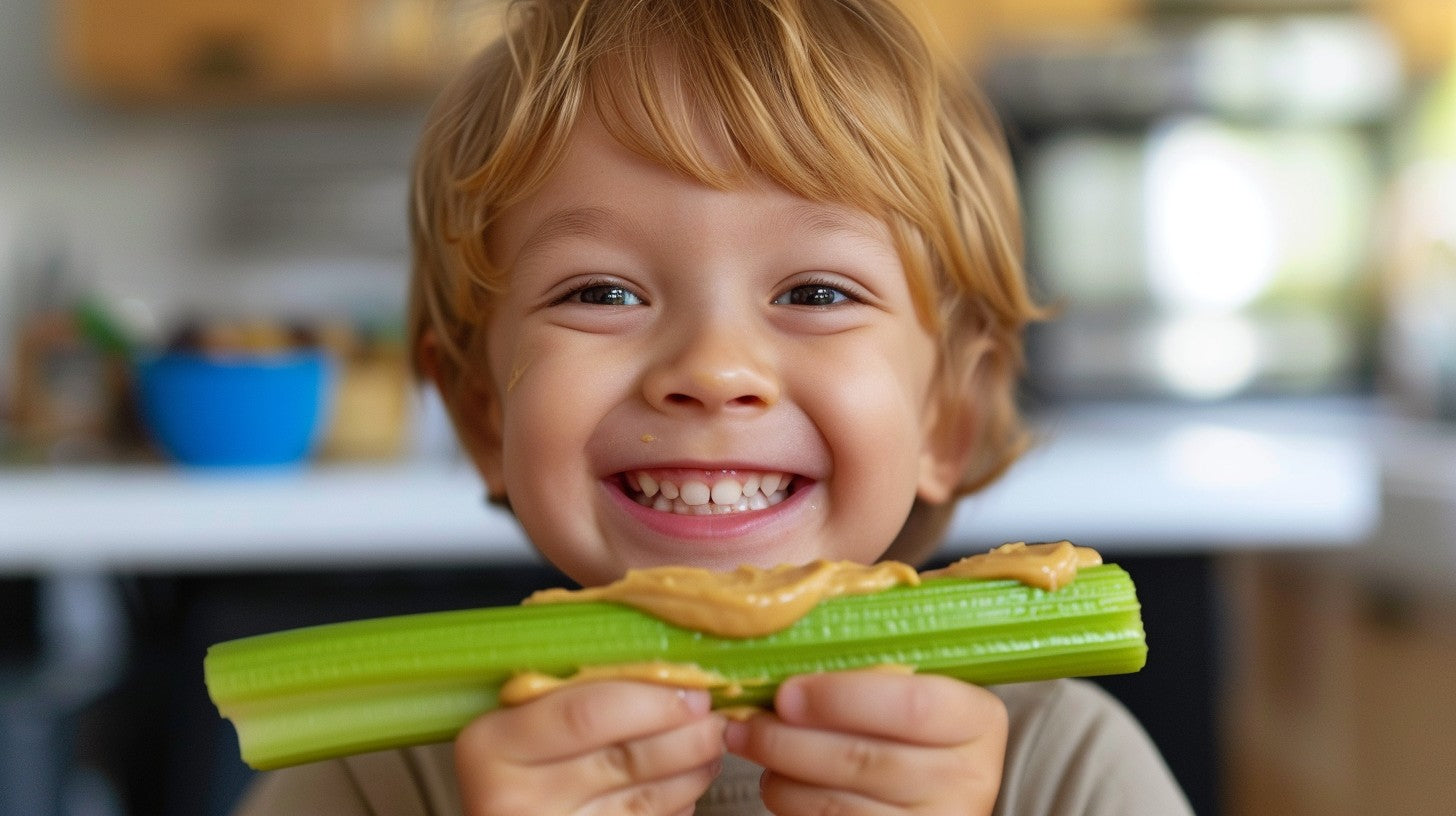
point(752, 601)
point(1049, 566)
point(747, 602)
point(527, 686)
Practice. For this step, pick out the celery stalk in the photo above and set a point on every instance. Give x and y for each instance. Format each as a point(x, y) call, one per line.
point(327, 691)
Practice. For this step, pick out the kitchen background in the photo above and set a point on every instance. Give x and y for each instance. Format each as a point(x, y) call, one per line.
point(1245, 213)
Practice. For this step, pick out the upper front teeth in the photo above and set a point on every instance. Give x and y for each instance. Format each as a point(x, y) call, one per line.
point(694, 493)
point(726, 491)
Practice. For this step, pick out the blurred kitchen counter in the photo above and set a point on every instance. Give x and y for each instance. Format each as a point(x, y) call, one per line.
point(1130, 478)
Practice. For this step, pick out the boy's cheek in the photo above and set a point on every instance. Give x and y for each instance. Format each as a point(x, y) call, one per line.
point(479, 425)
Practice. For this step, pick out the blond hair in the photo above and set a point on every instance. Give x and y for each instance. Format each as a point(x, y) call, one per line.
point(835, 100)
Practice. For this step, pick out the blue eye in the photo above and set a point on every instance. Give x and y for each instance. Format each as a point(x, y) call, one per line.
point(603, 294)
point(813, 294)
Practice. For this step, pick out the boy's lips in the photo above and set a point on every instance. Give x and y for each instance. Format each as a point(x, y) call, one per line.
point(707, 492)
point(749, 530)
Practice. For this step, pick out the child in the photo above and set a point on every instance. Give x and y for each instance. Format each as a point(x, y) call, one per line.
point(722, 282)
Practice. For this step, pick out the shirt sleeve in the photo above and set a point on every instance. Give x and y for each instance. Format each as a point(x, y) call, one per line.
point(1073, 749)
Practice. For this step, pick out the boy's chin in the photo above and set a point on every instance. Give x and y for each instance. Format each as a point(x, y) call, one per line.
point(728, 556)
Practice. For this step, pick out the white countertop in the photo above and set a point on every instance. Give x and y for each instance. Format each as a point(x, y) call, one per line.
point(1141, 478)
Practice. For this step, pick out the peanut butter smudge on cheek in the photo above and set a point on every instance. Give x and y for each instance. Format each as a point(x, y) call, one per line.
point(747, 602)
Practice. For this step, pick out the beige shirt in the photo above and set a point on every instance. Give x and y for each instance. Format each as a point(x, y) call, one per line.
point(1072, 751)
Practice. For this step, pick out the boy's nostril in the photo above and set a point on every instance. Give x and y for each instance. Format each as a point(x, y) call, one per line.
point(745, 401)
point(709, 390)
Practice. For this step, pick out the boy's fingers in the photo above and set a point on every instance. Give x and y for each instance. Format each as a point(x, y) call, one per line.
point(519, 759)
point(899, 740)
point(673, 795)
point(568, 788)
point(782, 794)
point(577, 720)
point(921, 709)
point(874, 768)
point(648, 759)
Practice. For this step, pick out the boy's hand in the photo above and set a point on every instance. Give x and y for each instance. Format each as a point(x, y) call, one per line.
point(877, 743)
point(598, 748)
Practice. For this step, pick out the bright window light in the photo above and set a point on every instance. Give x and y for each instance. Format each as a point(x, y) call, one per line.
point(1212, 225)
point(1207, 356)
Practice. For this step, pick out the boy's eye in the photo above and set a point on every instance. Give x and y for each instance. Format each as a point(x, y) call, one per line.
point(812, 294)
point(603, 294)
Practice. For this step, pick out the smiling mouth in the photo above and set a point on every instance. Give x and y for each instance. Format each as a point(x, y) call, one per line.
point(711, 495)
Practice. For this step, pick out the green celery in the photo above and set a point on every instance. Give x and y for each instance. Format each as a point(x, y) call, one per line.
point(327, 691)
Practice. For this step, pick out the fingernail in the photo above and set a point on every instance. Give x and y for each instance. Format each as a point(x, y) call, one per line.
point(696, 701)
point(789, 702)
point(735, 735)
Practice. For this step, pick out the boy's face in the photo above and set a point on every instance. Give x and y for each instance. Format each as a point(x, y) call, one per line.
point(749, 358)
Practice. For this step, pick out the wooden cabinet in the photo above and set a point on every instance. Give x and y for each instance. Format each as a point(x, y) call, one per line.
point(1338, 699)
point(230, 51)
point(263, 51)
point(1424, 29)
point(970, 28)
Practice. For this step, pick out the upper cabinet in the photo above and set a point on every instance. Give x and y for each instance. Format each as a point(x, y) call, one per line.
point(266, 51)
point(969, 27)
point(174, 52)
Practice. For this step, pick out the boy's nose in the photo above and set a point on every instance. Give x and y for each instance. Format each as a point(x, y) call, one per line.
point(712, 370)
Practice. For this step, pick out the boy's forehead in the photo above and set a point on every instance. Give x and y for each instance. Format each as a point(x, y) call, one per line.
point(577, 195)
point(585, 196)
point(800, 218)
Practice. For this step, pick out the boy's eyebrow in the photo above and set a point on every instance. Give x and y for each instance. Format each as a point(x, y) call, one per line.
point(824, 221)
point(599, 222)
point(591, 222)
point(827, 220)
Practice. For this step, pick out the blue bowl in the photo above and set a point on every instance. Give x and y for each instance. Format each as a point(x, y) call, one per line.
point(237, 411)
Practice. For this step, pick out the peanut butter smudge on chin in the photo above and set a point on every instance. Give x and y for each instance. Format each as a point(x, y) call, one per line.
point(747, 602)
point(1049, 566)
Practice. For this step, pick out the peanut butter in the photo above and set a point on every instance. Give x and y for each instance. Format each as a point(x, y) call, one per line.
point(751, 601)
point(527, 686)
point(747, 602)
point(1049, 566)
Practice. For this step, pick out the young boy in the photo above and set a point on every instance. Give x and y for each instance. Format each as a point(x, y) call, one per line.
point(723, 282)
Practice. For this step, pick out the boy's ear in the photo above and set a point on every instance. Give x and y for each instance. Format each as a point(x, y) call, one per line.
point(946, 452)
point(474, 410)
point(953, 424)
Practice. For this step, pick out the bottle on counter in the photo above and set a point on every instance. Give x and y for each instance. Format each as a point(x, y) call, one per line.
point(69, 397)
